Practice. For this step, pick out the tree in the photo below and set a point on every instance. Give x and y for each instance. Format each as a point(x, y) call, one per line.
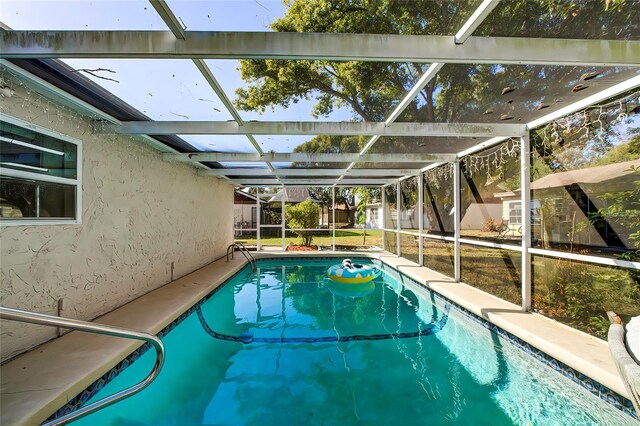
point(623, 208)
point(369, 89)
point(304, 215)
point(459, 92)
point(365, 196)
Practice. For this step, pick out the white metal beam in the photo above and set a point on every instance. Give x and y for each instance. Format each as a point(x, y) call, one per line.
point(309, 172)
point(163, 9)
point(383, 217)
point(333, 218)
point(301, 157)
point(167, 15)
point(610, 92)
point(343, 128)
point(398, 221)
point(325, 46)
point(420, 208)
point(49, 90)
point(525, 206)
point(475, 20)
point(311, 182)
point(404, 103)
point(457, 217)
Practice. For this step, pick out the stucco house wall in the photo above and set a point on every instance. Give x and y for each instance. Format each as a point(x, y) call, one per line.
point(143, 221)
point(476, 214)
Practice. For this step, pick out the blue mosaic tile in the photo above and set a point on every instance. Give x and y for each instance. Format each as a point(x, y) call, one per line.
point(586, 382)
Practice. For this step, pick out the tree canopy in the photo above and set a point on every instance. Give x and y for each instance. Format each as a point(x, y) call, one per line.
point(458, 92)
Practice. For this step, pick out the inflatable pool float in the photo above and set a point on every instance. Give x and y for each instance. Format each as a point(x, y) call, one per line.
point(352, 273)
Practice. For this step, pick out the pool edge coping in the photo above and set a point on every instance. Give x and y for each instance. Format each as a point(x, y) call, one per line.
point(80, 392)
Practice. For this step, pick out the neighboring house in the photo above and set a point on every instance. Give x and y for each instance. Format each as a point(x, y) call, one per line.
point(244, 210)
point(345, 214)
point(373, 216)
point(561, 203)
point(511, 214)
point(292, 196)
point(408, 219)
point(564, 201)
point(477, 213)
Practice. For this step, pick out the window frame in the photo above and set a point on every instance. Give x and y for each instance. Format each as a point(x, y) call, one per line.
point(77, 182)
point(515, 206)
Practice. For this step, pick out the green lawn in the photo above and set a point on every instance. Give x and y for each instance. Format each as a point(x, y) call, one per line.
point(344, 238)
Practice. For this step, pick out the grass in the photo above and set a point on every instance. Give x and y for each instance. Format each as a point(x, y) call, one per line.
point(344, 238)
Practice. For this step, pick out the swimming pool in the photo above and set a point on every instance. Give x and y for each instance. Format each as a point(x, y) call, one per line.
point(286, 345)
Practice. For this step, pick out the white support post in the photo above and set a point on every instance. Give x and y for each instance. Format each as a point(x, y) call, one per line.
point(282, 220)
point(420, 218)
point(525, 199)
point(333, 218)
point(258, 231)
point(456, 217)
point(383, 217)
point(398, 239)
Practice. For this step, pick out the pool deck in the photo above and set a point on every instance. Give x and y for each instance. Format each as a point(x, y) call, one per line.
point(37, 383)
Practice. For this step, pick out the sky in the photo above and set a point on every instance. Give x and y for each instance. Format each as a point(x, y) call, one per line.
point(171, 89)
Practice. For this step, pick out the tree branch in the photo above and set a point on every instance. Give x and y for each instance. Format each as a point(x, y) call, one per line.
point(95, 70)
point(354, 104)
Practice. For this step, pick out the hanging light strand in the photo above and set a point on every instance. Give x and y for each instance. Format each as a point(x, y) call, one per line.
point(595, 121)
point(494, 161)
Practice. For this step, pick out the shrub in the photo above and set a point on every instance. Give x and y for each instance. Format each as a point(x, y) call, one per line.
point(304, 215)
point(491, 225)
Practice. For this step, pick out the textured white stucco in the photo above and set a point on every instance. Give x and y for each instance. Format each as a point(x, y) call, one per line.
point(140, 214)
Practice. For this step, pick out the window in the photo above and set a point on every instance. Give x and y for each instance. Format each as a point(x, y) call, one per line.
point(39, 175)
point(374, 214)
point(515, 213)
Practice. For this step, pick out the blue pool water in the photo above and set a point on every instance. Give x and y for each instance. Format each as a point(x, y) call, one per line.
point(285, 346)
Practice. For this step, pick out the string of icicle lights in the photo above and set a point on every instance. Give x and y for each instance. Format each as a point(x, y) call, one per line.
point(593, 121)
point(476, 163)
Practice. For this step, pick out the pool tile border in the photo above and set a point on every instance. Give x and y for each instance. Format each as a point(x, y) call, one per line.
point(609, 396)
point(79, 400)
point(594, 387)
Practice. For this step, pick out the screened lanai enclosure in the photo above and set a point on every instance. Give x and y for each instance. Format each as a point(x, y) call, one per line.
point(496, 142)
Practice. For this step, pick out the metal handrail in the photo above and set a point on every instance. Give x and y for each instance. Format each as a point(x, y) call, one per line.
point(247, 255)
point(13, 314)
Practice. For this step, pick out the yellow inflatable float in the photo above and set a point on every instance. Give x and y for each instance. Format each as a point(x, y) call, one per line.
point(352, 273)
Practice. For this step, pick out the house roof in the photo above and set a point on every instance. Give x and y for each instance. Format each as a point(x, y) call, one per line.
point(241, 197)
point(65, 77)
point(587, 175)
point(293, 195)
point(344, 207)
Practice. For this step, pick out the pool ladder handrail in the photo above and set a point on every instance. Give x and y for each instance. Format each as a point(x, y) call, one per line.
point(13, 314)
point(245, 252)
